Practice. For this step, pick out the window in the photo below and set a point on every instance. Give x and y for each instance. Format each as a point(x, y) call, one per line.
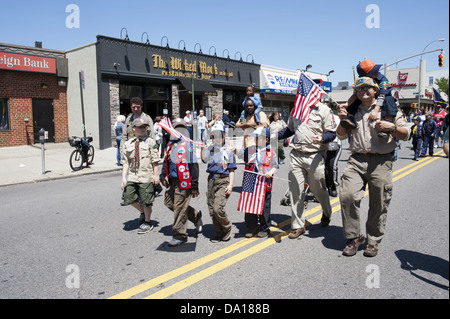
point(4, 115)
point(430, 81)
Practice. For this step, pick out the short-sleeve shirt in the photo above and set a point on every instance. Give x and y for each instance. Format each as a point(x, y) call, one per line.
point(219, 160)
point(148, 151)
point(365, 137)
point(320, 121)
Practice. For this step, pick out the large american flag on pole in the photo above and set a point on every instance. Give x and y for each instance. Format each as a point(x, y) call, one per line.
point(308, 94)
point(253, 194)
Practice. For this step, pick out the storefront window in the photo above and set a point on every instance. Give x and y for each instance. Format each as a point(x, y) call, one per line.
point(4, 116)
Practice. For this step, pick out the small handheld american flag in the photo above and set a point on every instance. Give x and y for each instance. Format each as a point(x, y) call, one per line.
point(308, 94)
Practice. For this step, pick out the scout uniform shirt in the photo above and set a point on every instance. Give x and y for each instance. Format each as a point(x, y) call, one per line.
point(320, 121)
point(365, 137)
point(142, 171)
point(219, 160)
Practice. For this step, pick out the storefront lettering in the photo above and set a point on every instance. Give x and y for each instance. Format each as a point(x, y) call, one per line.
point(401, 85)
point(180, 68)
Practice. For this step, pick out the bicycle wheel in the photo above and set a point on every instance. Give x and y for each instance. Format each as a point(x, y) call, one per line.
point(76, 160)
point(90, 155)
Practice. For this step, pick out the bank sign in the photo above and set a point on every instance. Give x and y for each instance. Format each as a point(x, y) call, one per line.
point(30, 63)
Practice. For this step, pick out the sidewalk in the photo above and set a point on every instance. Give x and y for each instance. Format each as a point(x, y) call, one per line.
point(23, 164)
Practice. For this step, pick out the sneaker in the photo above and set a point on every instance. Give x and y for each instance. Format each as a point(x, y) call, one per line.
point(145, 228)
point(263, 233)
point(199, 223)
point(295, 233)
point(352, 245)
point(371, 250)
point(251, 233)
point(175, 242)
point(281, 161)
point(216, 239)
point(348, 124)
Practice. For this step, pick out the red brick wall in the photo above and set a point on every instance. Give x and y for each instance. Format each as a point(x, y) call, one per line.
point(20, 88)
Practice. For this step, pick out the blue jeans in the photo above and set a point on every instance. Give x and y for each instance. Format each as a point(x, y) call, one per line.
point(428, 142)
point(118, 156)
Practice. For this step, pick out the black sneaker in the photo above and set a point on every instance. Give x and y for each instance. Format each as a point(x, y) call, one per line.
point(348, 124)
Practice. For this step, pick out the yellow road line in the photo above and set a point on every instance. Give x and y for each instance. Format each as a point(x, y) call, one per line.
point(240, 256)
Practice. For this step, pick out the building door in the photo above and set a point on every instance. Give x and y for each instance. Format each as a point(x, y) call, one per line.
point(43, 117)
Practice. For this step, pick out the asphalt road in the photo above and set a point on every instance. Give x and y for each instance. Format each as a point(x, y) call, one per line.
point(71, 239)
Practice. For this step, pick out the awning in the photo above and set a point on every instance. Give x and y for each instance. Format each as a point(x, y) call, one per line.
point(200, 87)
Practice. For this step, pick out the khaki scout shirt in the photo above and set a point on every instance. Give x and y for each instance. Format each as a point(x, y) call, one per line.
point(365, 137)
point(148, 153)
point(320, 121)
point(128, 133)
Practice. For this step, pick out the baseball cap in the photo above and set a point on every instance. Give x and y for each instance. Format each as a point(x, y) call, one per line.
point(365, 81)
point(368, 67)
point(140, 122)
point(178, 122)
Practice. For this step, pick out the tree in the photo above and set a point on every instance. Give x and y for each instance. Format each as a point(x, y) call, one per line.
point(442, 84)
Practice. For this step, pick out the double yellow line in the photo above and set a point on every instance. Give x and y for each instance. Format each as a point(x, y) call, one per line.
point(184, 283)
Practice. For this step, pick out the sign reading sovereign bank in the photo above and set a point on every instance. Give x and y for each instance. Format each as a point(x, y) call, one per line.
point(30, 63)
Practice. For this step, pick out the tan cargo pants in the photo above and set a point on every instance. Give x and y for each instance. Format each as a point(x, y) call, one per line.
point(178, 200)
point(307, 168)
point(216, 200)
point(376, 172)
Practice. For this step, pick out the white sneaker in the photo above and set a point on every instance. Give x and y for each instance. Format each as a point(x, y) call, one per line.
point(199, 223)
point(175, 242)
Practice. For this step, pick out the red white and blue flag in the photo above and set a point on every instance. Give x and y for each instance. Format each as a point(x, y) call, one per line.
point(253, 194)
point(166, 124)
point(308, 94)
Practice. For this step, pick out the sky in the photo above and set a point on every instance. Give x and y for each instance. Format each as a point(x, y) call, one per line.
point(328, 34)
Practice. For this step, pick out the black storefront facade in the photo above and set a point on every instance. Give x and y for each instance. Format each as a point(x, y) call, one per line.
point(163, 78)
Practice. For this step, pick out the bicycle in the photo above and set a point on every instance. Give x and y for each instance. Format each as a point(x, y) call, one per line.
point(83, 153)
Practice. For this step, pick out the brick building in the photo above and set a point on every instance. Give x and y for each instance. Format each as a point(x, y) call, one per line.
point(33, 95)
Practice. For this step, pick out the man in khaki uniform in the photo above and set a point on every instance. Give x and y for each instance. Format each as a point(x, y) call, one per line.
point(140, 172)
point(370, 164)
point(308, 163)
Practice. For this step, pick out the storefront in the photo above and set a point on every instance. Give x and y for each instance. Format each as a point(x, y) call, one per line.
point(406, 83)
point(115, 70)
point(32, 95)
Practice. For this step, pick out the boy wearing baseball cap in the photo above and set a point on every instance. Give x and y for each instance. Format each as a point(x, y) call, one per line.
point(140, 172)
point(221, 167)
point(385, 102)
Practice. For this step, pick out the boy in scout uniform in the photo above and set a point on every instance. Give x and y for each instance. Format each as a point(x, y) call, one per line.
point(180, 175)
point(221, 167)
point(308, 163)
point(140, 172)
point(369, 165)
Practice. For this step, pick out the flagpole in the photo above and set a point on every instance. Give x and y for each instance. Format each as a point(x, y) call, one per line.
point(265, 175)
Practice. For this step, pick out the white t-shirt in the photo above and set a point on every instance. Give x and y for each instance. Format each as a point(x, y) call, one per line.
point(201, 122)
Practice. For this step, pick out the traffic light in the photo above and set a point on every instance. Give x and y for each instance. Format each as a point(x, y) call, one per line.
point(441, 60)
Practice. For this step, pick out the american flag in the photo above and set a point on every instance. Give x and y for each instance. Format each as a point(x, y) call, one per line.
point(253, 193)
point(167, 125)
point(308, 94)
